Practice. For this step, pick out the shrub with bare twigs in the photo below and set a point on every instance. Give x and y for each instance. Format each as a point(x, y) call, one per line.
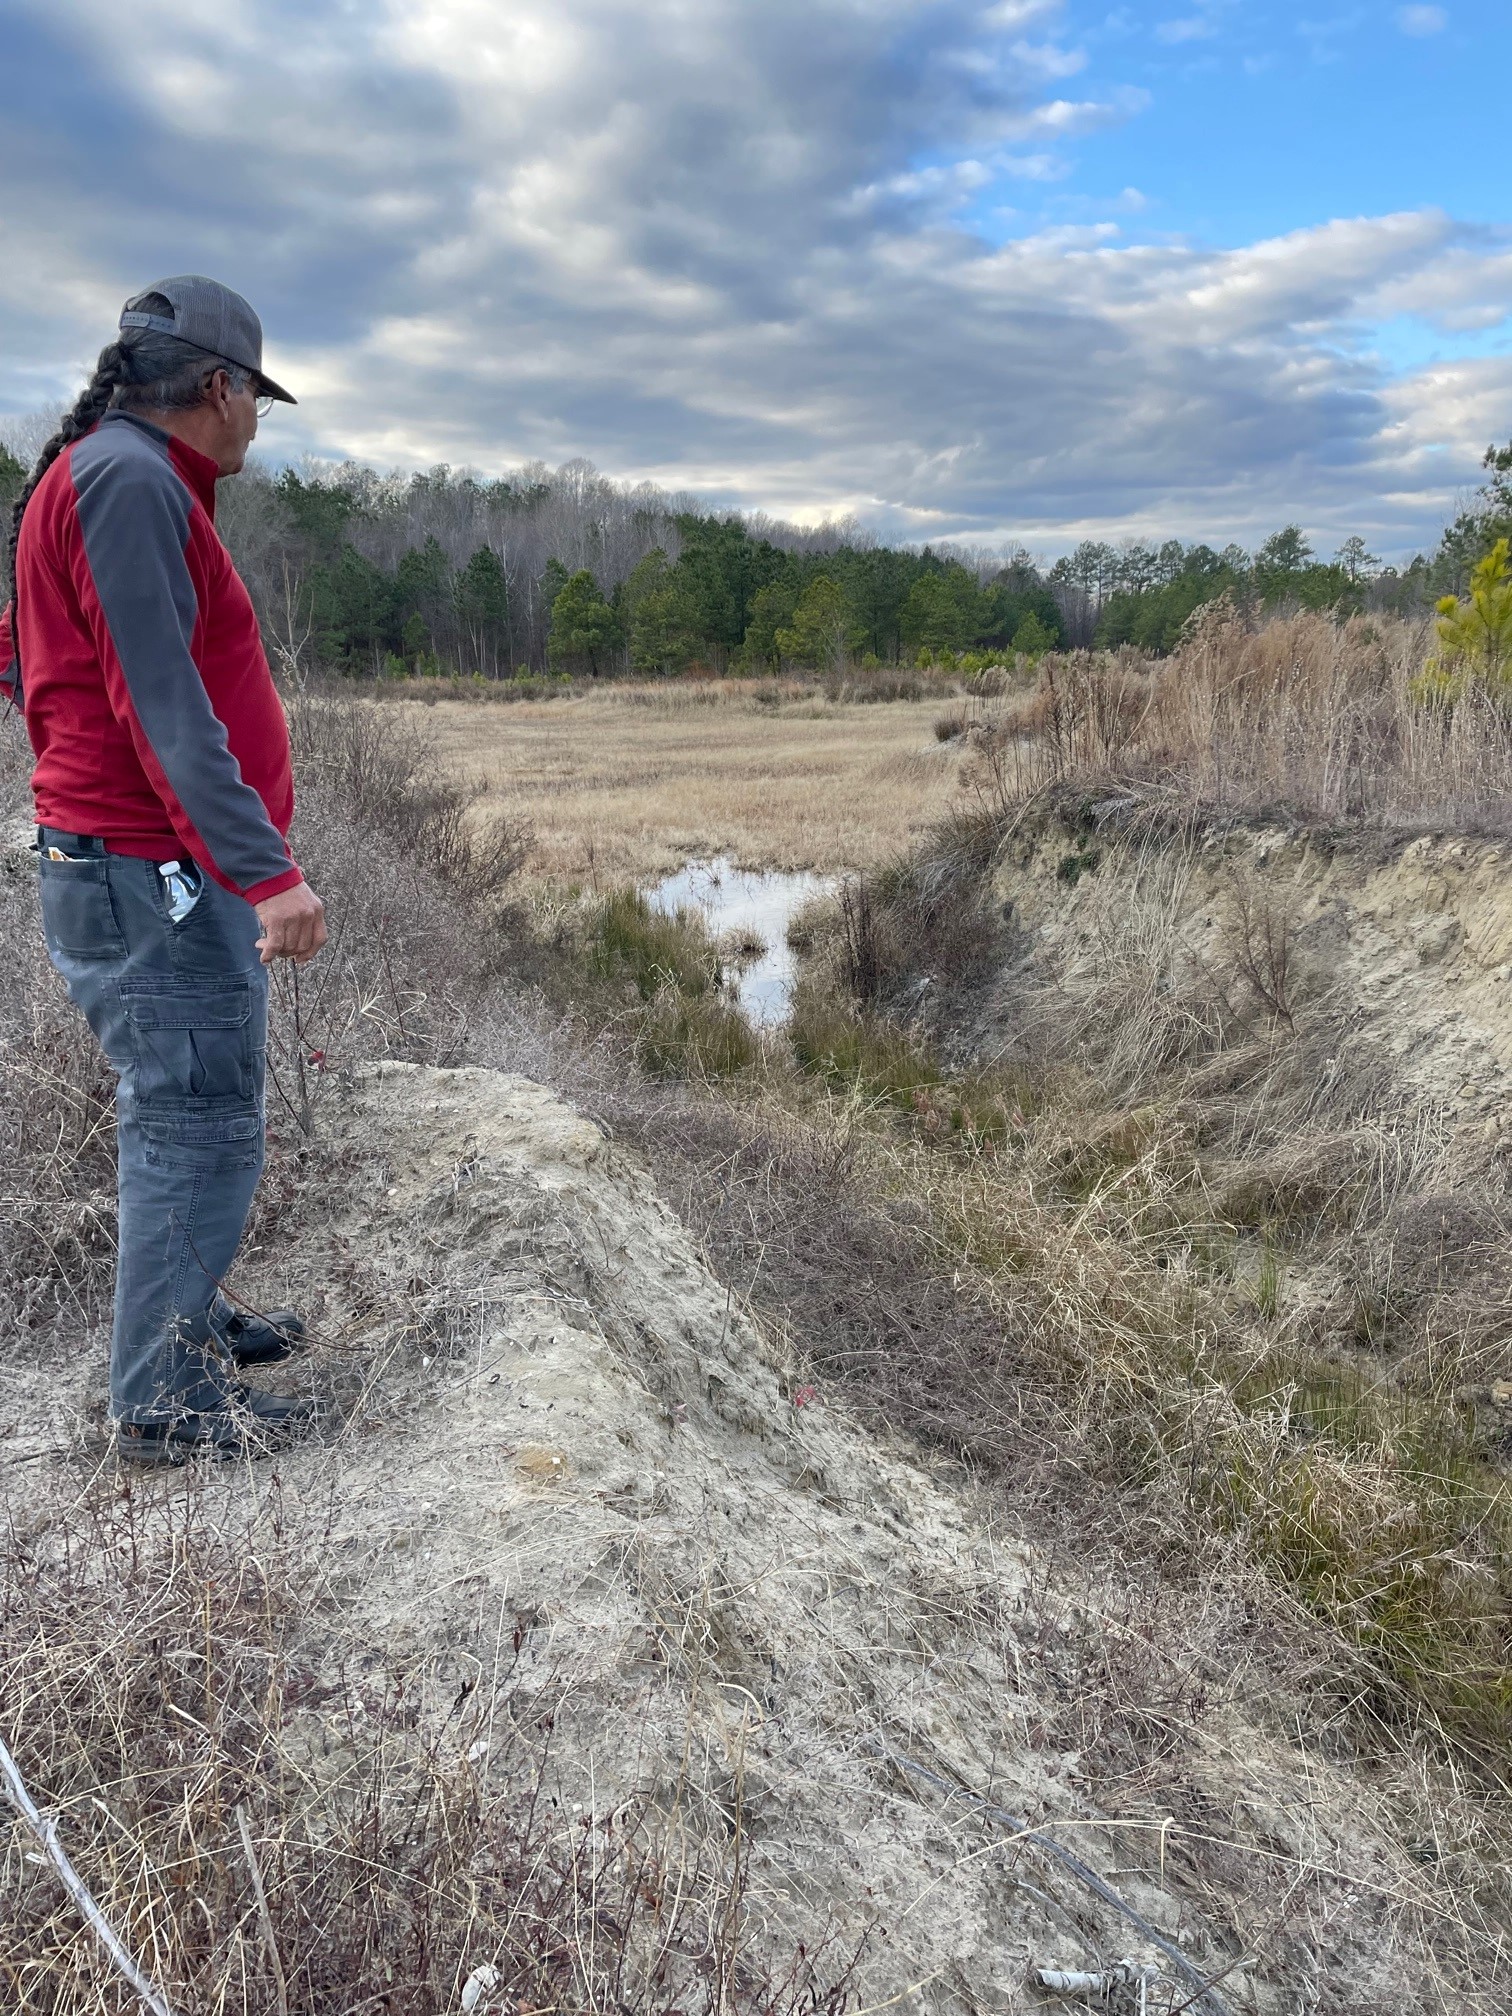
point(1321, 718)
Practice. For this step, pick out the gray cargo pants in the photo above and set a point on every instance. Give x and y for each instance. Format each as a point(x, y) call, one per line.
point(181, 1012)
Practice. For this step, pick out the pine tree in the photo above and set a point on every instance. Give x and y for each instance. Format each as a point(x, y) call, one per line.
point(1356, 560)
point(1475, 634)
point(944, 610)
point(482, 594)
point(424, 592)
point(823, 629)
point(553, 581)
point(582, 625)
point(771, 617)
point(1033, 639)
point(1281, 561)
point(658, 611)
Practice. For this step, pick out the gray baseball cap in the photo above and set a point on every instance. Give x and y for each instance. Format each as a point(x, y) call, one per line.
point(209, 316)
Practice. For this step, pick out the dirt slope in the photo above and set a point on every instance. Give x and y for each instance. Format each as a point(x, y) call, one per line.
point(1412, 938)
point(732, 1599)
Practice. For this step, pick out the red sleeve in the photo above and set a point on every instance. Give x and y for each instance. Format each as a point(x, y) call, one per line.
point(10, 665)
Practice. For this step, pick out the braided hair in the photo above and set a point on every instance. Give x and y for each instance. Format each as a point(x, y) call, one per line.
point(142, 370)
point(88, 409)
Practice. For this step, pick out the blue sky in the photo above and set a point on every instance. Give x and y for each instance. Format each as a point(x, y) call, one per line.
point(1265, 119)
point(985, 269)
point(1245, 123)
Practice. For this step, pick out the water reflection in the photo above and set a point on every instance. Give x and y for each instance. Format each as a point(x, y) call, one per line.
point(741, 904)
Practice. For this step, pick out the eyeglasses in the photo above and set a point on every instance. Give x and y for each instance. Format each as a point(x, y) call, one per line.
point(265, 404)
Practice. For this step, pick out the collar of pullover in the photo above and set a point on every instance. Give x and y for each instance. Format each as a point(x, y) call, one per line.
point(197, 470)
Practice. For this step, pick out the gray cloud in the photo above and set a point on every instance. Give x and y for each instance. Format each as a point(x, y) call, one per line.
point(717, 245)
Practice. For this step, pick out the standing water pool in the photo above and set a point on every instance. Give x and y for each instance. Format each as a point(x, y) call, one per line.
point(744, 904)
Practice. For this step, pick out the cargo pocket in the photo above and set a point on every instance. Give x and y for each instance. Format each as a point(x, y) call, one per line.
point(192, 1059)
point(78, 911)
point(228, 1139)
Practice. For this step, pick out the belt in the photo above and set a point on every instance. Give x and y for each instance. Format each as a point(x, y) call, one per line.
point(70, 843)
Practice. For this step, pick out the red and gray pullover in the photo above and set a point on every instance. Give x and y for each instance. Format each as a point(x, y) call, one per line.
point(144, 684)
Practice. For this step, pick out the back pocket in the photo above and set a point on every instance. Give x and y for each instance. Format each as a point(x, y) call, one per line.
point(78, 912)
point(191, 1042)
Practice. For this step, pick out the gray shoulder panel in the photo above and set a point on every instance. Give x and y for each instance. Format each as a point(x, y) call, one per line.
point(134, 516)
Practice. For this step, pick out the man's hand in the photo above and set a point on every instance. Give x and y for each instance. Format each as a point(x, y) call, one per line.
point(293, 925)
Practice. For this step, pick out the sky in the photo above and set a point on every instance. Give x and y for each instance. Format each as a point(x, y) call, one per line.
point(982, 270)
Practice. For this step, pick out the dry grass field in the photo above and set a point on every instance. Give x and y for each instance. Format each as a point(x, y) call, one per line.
point(630, 781)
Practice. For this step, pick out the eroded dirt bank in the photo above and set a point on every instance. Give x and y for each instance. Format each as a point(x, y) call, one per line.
point(1409, 941)
point(581, 1493)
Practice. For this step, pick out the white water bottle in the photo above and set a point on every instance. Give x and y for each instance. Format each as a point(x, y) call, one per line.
point(181, 888)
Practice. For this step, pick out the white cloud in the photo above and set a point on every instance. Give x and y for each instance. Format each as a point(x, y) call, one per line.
point(1068, 119)
point(1048, 59)
point(1467, 287)
point(1201, 25)
point(1032, 167)
point(1020, 13)
point(1422, 21)
point(721, 246)
point(1326, 37)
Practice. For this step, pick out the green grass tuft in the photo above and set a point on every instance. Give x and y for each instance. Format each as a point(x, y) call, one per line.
point(655, 950)
point(694, 1036)
point(684, 1024)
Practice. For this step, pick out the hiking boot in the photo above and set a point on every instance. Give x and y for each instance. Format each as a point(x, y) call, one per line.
point(254, 1424)
point(254, 1339)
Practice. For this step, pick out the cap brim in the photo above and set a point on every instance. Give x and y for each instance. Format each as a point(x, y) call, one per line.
point(275, 391)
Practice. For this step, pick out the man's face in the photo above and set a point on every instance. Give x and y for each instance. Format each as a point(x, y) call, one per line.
point(236, 415)
point(244, 418)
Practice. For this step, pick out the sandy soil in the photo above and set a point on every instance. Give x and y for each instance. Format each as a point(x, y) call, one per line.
point(738, 1603)
point(631, 781)
point(1415, 934)
point(737, 1608)
point(738, 1592)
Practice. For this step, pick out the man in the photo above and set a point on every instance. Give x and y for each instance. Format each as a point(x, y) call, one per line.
point(164, 796)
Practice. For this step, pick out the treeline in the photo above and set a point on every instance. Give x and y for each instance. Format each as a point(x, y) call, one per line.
point(565, 570)
point(1145, 595)
point(568, 571)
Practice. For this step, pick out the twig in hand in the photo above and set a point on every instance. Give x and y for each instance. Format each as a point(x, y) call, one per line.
point(46, 1832)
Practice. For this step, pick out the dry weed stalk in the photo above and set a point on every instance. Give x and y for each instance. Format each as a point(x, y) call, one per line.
point(44, 1831)
point(1304, 713)
point(1260, 935)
